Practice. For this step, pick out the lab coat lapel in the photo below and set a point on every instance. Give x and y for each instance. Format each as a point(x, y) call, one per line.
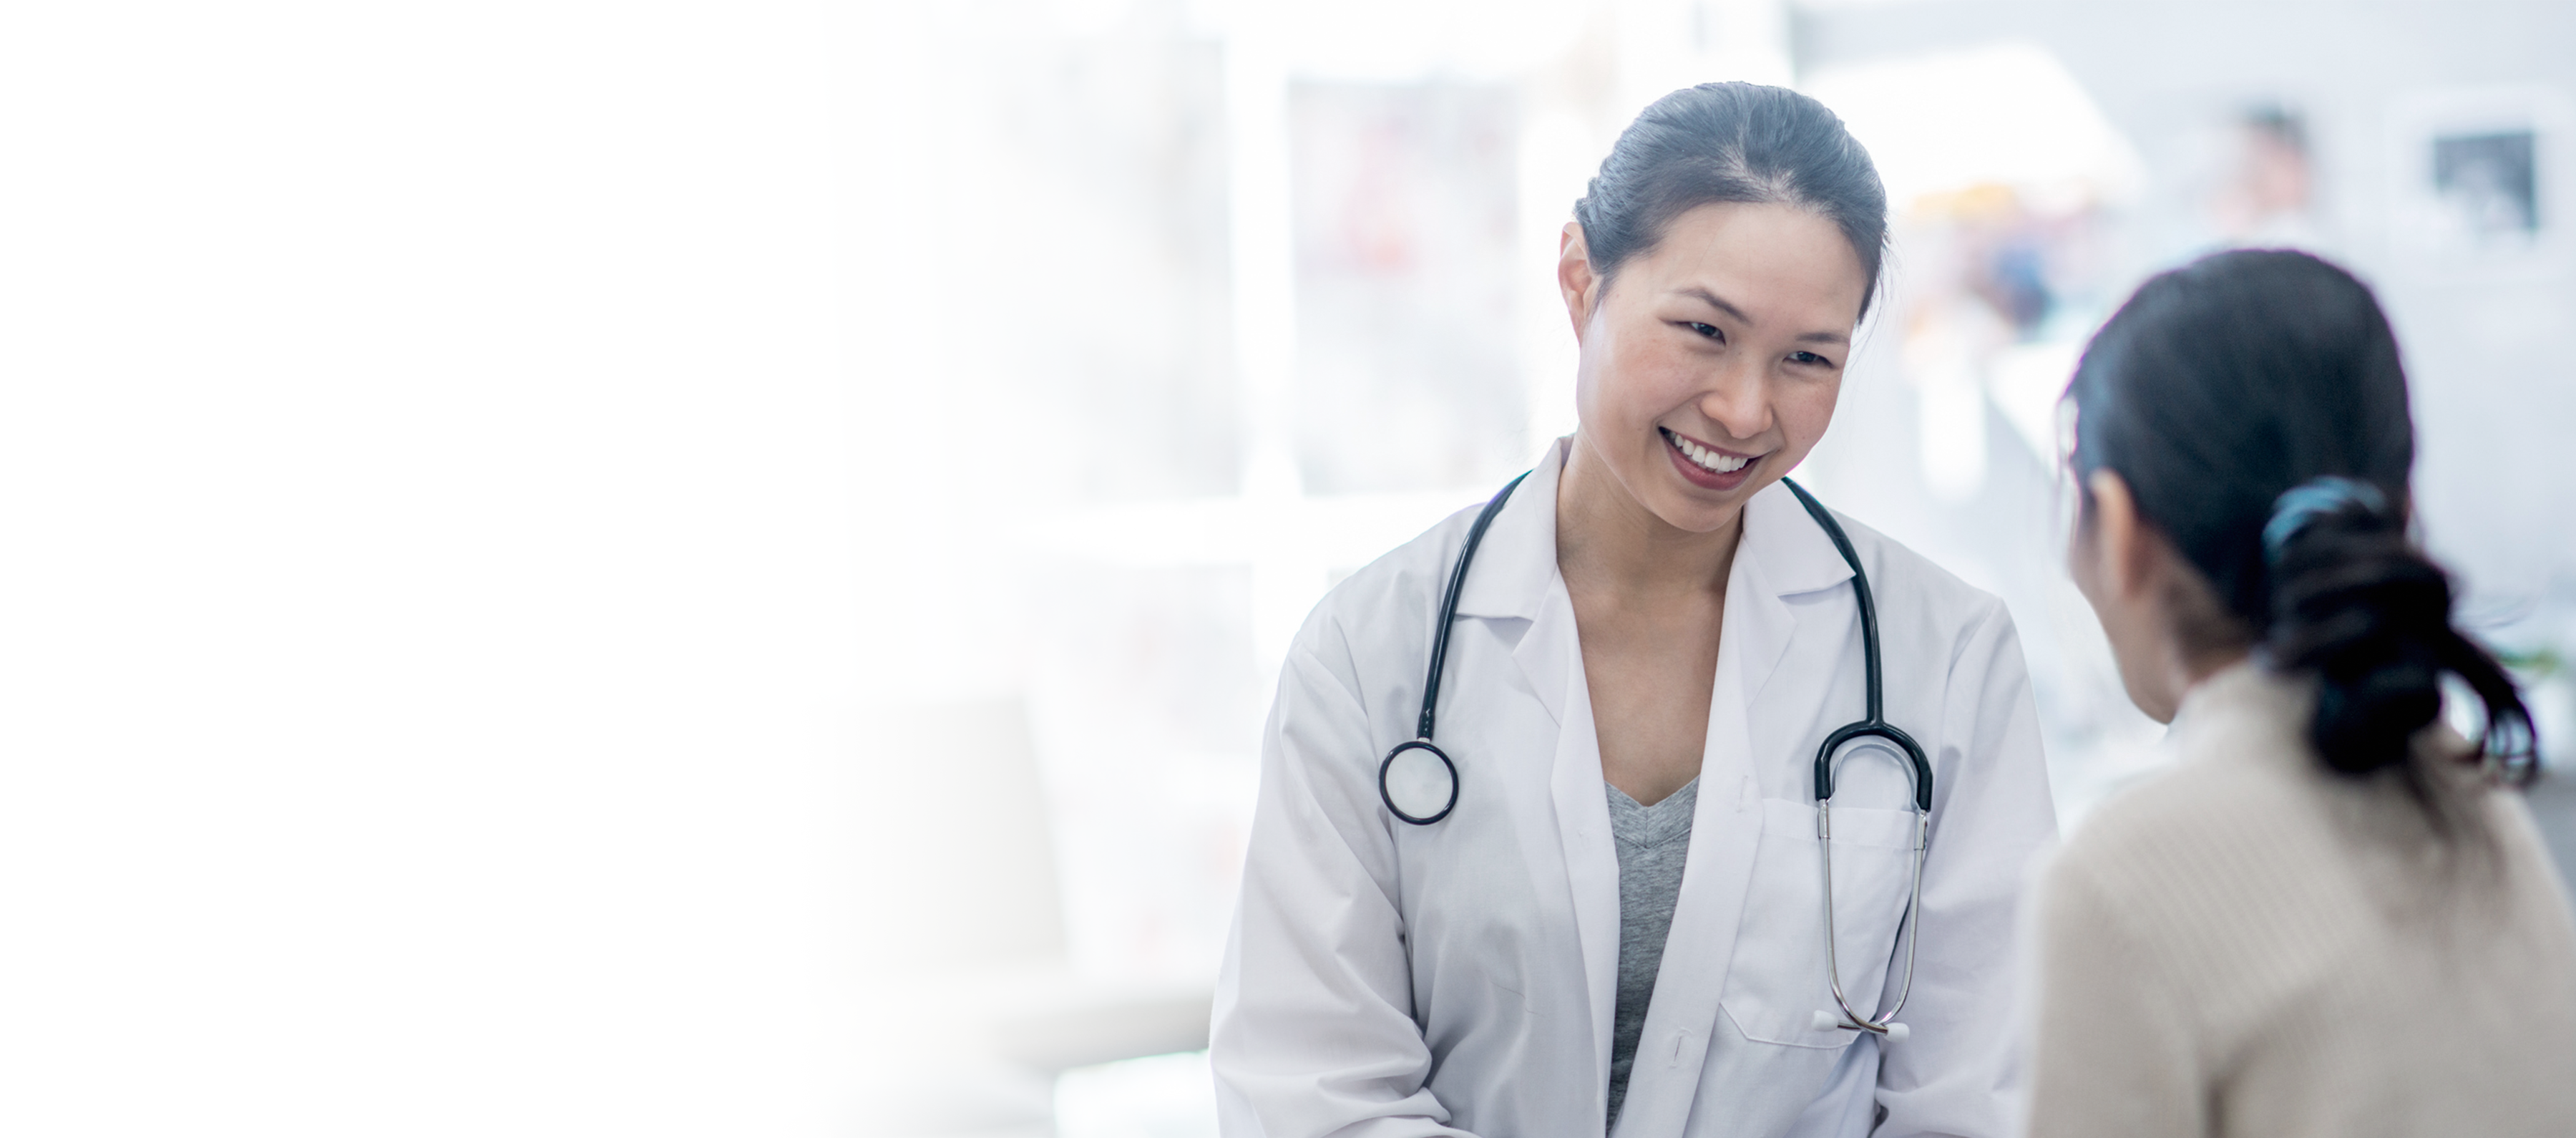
point(1515, 578)
point(1583, 831)
point(1773, 560)
point(1784, 553)
point(1550, 656)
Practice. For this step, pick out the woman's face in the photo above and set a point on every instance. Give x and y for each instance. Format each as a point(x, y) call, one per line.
point(1710, 364)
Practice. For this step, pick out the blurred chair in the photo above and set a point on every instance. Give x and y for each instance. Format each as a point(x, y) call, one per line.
point(972, 1008)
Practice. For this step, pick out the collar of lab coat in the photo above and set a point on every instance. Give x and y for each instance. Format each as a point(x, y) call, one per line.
point(1784, 551)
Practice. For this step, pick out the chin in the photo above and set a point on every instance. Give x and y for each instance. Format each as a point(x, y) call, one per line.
point(1691, 511)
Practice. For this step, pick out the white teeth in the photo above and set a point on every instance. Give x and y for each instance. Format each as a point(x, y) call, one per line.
point(1708, 460)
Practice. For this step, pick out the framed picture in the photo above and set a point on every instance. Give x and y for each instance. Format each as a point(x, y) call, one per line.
point(2482, 178)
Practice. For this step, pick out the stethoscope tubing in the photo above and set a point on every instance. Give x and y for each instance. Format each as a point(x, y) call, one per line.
point(1873, 725)
point(1439, 660)
point(1874, 687)
point(1449, 605)
point(1918, 772)
point(1905, 924)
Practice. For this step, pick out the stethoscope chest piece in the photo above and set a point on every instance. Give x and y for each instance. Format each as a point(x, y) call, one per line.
point(1418, 783)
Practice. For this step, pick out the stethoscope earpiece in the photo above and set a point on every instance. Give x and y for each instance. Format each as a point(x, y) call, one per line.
point(1892, 1032)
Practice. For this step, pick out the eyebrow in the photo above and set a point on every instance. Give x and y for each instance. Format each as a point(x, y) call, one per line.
point(1719, 303)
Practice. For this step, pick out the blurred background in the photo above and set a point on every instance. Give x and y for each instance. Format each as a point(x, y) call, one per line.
point(577, 568)
point(1271, 284)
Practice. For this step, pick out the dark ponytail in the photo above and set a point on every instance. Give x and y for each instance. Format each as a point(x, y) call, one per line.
point(2354, 601)
point(2254, 403)
point(1732, 142)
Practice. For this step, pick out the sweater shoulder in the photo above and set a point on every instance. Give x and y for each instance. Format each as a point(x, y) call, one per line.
point(2222, 808)
point(2233, 869)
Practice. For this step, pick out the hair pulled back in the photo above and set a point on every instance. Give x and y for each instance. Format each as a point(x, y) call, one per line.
point(2222, 385)
point(1732, 142)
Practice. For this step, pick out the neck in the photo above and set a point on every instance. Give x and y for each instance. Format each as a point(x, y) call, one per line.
point(2189, 669)
point(1606, 537)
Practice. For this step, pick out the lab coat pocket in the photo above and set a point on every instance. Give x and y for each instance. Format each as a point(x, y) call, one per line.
point(1777, 982)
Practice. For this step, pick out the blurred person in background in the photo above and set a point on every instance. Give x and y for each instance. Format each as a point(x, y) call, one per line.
point(2333, 915)
point(1617, 922)
point(2268, 201)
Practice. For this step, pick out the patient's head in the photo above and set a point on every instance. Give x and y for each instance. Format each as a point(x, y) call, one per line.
point(2243, 445)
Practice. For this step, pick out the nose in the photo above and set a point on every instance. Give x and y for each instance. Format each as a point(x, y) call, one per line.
point(1738, 398)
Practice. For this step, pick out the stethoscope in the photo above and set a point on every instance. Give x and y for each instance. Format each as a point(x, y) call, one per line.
point(1411, 777)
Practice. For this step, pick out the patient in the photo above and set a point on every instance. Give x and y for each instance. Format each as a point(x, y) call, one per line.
point(2331, 916)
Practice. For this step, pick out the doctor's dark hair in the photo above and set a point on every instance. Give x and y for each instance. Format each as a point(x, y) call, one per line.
point(1732, 142)
point(2217, 388)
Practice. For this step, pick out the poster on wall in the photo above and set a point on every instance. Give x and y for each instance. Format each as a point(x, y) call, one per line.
point(2485, 187)
point(2482, 178)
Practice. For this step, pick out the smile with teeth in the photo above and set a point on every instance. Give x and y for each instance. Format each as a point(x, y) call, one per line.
point(1714, 462)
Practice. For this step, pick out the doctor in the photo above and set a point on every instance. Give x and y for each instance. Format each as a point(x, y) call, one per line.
point(1620, 925)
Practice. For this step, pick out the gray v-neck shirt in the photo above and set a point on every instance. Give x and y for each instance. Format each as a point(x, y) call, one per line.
point(1653, 843)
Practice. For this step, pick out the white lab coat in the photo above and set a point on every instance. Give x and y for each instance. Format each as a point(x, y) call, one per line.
point(1384, 979)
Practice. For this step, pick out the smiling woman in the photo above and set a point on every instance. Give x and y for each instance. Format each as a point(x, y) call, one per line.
point(1642, 673)
point(1690, 403)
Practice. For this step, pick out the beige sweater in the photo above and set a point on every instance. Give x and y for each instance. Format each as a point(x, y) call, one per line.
point(2249, 944)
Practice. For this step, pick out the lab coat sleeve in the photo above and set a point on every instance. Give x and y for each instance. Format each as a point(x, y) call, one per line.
point(1958, 1073)
point(1313, 1032)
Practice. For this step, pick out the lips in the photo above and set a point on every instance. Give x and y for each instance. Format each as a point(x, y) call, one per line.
point(1705, 466)
point(1709, 459)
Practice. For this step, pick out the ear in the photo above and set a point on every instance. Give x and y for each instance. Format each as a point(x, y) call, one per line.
point(2119, 557)
point(1574, 276)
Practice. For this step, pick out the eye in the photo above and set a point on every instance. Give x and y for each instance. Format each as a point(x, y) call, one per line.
point(1809, 358)
point(1708, 330)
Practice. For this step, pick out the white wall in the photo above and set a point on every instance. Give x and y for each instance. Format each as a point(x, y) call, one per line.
point(426, 547)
